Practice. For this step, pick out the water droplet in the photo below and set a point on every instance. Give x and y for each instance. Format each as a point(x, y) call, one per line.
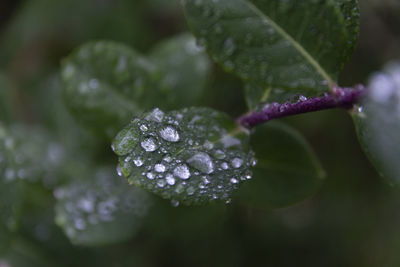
point(156, 115)
point(208, 145)
point(86, 205)
point(182, 171)
point(149, 144)
point(169, 134)
point(234, 181)
point(79, 224)
point(138, 162)
point(229, 141)
point(167, 159)
point(302, 98)
point(170, 179)
point(94, 83)
point(205, 180)
point(159, 167)
point(180, 188)
point(150, 175)
point(190, 190)
point(219, 154)
point(202, 161)
point(9, 174)
point(161, 183)
point(224, 166)
point(174, 203)
point(229, 46)
point(237, 163)
point(143, 128)
point(119, 172)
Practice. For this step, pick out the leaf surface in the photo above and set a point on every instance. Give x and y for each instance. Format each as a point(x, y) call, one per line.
point(377, 122)
point(287, 170)
point(101, 210)
point(185, 68)
point(295, 47)
point(192, 156)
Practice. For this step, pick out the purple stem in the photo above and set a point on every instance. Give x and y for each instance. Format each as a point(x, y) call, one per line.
point(339, 98)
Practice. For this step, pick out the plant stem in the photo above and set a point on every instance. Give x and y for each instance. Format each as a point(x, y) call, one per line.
point(339, 98)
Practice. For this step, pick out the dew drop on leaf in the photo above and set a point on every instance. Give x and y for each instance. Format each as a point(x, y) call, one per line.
point(169, 134)
point(237, 162)
point(202, 161)
point(149, 144)
point(182, 171)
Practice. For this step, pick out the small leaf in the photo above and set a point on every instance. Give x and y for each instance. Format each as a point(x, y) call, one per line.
point(106, 83)
point(194, 155)
point(185, 68)
point(30, 154)
point(101, 210)
point(377, 122)
point(287, 170)
point(256, 40)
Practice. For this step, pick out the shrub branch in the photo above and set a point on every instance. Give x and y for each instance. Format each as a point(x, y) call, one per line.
point(339, 98)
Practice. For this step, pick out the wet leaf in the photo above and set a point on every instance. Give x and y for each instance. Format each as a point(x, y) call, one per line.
point(377, 122)
point(287, 170)
point(192, 156)
point(101, 210)
point(29, 153)
point(256, 40)
point(105, 84)
point(185, 68)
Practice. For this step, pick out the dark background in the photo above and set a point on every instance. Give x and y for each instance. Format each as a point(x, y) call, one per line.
point(353, 220)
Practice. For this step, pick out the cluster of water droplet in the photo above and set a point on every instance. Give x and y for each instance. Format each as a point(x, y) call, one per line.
point(27, 154)
point(187, 155)
point(85, 210)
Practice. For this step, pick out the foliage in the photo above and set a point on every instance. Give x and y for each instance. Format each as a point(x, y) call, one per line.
point(114, 93)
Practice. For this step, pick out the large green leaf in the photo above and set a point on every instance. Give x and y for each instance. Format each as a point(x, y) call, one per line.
point(185, 68)
point(378, 123)
point(193, 155)
point(295, 47)
point(101, 210)
point(106, 83)
point(287, 170)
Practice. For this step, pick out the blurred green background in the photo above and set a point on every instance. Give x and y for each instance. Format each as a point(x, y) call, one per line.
point(351, 221)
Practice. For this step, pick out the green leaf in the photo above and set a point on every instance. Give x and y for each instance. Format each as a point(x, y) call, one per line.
point(193, 155)
point(287, 170)
point(29, 153)
point(101, 210)
point(106, 83)
point(377, 122)
point(297, 47)
point(185, 68)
